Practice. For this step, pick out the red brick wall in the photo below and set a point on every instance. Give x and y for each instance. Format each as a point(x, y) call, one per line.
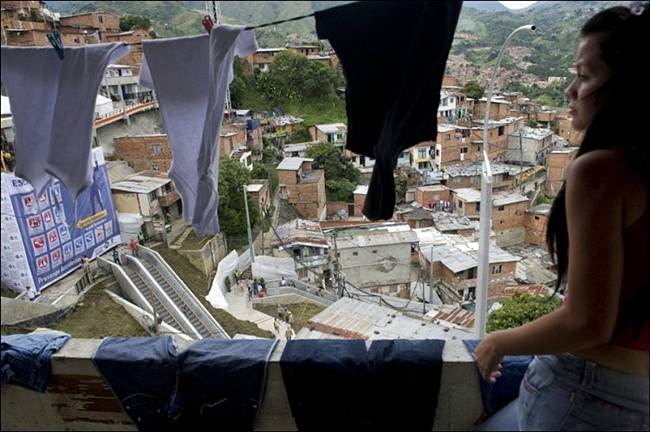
point(359, 201)
point(138, 150)
point(536, 228)
point(334, 206)
point(511, 216)
point(429, 198)
point(556, 166)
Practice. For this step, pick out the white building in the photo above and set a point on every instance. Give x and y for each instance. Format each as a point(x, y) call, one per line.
point(529, 146)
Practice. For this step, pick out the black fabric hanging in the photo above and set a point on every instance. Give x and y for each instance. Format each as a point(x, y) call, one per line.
point(393, 56)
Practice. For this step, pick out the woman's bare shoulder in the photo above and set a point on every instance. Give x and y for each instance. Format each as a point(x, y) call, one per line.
point(603, 167)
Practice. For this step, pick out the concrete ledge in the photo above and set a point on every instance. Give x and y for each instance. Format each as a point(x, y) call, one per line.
point(79, 399)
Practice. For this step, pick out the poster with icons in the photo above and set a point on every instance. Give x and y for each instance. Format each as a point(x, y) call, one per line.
point(43, 239)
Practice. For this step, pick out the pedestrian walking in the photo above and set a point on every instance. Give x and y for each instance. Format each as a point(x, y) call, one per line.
point(116, 256)
point(276, 326)
point(290, 318)
point(141, 238)
point(255, 287)
point(289, 333)
point(250, 293)
point(133, 245)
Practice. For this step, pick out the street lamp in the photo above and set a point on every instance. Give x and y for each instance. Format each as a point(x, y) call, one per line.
point(480, 309)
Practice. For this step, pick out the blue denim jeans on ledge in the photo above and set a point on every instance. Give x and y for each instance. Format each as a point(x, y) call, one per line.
point(221, 384)
point(506, 388)
point(142, 373)
point(25, 360)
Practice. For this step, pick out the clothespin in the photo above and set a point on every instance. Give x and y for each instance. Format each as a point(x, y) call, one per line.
point(207, 23)
point(57, 44)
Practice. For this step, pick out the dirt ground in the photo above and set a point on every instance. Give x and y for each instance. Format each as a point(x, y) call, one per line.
point(96, 316)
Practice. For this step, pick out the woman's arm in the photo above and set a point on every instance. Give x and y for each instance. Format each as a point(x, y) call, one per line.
point(594, 207)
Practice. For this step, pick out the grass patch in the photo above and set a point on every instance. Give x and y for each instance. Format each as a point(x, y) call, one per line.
point(6, 292)
point(194, 242)
point(96, 316)
point(302, 312)
point(199, 284)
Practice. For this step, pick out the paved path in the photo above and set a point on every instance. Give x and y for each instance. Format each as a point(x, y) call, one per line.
point(242, 309)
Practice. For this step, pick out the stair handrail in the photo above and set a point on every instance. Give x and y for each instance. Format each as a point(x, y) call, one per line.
point(122, 277)
point(182, 290)
point(163, 298)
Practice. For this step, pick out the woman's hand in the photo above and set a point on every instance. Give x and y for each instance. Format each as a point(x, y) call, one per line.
point(488, 359)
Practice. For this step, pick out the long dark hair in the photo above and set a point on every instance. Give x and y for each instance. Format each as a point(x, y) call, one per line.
point(623, 102)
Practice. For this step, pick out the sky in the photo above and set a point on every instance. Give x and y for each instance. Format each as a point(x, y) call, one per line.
point(517, 4)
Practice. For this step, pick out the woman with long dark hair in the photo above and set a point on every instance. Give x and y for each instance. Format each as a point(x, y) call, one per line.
point(591, 366)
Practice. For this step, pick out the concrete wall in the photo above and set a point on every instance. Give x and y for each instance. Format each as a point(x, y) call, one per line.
point(144, 123)
point(78, 398)
point(390, 264)
point(511, 236)
point(207, 258)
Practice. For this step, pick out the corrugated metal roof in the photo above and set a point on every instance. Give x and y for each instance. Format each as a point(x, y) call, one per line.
point(332, 128)
point(376, 239)
point(140, 183)
point(292, 164)
point(468, 194)
point(509, 198)
point(355, 319)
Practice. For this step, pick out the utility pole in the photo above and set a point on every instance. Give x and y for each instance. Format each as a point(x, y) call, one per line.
point(431, 277)
point(337, 273)
point(251, 246)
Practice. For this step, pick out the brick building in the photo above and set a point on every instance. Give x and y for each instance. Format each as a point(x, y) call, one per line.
point(564, 128)
point(104, 22)
point(261, 59)
point(259, 190)
point(145, 152)
point(536, 221)
point(334, 133)
point(359, 199)
point(455, 264)
point(499, 108)
point(508, 215)
point(429, 196)
point(303, 187)
point(150, 194)
point(467, 202)
point(557, 162)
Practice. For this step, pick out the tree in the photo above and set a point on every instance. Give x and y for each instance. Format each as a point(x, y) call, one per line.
point(339, 190)
point(532, 123)
point(473, 90)
point(400, 189)
point(337, 169)
point(130, 22)
point(519, 310)
point(232, 212)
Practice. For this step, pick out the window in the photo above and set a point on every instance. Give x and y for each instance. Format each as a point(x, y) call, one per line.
point(500, 208)
point(496, 269)
point(472, 293)
point(437, 152)
point(338, 254)
point(536, 217)
point(155, 166)
point(478, 206)
point(501, 130)
point(422, 153)
point(355, 253)
point(100, 18)
point(374, 251)
point(152, 196)
point(471, 273)
point(463, 149)
point(460, 204)
point(393, 289)
point(155, 149)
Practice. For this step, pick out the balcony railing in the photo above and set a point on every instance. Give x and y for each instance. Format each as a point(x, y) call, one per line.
point(78, 398)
